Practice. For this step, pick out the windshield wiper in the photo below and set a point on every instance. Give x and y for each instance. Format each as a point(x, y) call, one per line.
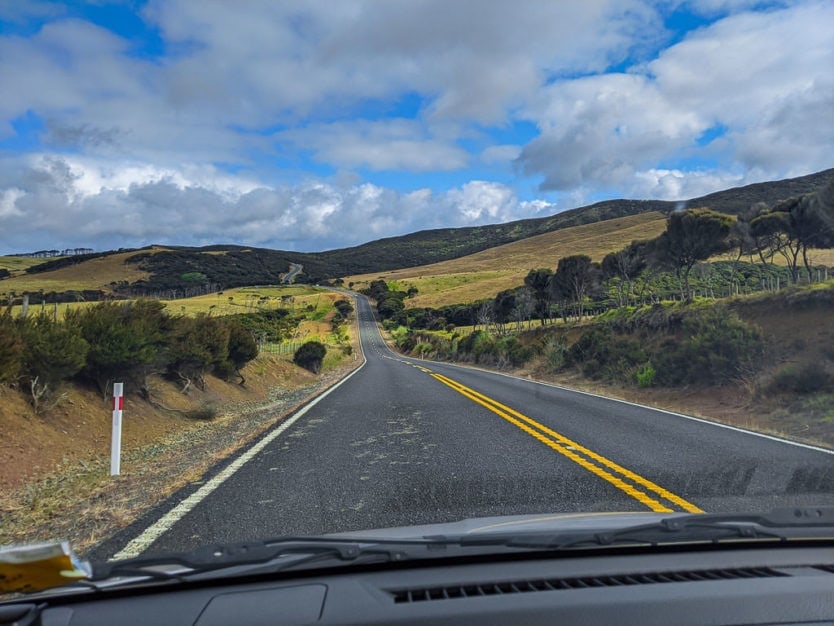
point(275, 555)
point(778, 525)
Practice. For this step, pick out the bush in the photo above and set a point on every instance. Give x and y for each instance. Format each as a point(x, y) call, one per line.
point(510, 349)
point(717, 347)
point(645, 376)
point(601, 354)
point(805, 379)
point(126, 340)
point(197, 345)
point(54, 353)
point(242, 349)
point(11, 351)
point(310, 355)
point(555, 350)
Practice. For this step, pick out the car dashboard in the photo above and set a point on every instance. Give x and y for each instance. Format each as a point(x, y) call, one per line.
point(751, 585)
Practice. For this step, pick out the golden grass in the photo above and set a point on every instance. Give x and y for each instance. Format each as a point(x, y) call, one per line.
point(93, 274)
point(484, 274)
point(18, 264)
point(248, 299)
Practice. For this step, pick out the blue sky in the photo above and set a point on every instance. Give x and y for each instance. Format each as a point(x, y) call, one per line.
point(314, 125)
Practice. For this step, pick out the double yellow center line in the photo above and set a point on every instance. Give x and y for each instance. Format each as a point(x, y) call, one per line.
point(645, 491)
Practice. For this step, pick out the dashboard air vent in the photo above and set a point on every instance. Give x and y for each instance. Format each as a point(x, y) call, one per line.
point(447, 592)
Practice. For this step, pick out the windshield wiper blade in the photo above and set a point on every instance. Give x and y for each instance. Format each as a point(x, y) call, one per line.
point(274, 555)
point(778, 525)
point(221, 557)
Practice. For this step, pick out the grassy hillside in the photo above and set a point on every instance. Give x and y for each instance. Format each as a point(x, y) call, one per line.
point(185, 270)
point(92, 274)
point(484, 274)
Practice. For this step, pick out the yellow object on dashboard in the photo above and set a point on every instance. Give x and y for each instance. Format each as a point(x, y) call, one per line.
point(39, 566)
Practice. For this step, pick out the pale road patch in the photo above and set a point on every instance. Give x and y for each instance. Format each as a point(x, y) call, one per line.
point(139, 544)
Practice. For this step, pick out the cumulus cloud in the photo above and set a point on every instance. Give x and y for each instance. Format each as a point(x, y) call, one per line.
point(84, 203)
point(738, 73)
point(181, 145)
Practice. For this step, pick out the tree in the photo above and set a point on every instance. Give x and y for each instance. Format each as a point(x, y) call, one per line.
point(539, 282)
point(242, 349)
point(485, 314)
point(812, 222)
point(390, 305)
point(624, 265)
point(503, 306)
point(11, 350)
point(344, 307)
point(310, 355)
point(54, 352)
point(525, 304)
point(576, 278)
point(196, 346)
point(691, 236)
point(126, 341)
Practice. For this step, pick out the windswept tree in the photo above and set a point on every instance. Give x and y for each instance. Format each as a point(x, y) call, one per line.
point(54, 352)
point(812, 222)
point(242, 349)
point(11, 350)
point(624, 265)
point(692, 235)
point(126, 341)
point(575, 279)
point(539, 282)
point(503, 309)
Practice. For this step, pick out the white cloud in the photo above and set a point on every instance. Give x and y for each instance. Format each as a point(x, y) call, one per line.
point(740, 73)
point(83, 203)
point(384, 145)
point(142, 148)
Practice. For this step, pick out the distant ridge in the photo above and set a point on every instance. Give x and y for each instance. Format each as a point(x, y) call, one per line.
point(177, 267)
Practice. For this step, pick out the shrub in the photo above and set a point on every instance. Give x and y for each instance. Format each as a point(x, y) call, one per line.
point(242, 349)
point(11, 351)
point(197, 345)
point(310, 355)
point(717, 347)
point(53, 353)
point(805, 379)
point(510, 349)
point(645, 376)
point(126, 340)
point(601, 354)
point(555, 350)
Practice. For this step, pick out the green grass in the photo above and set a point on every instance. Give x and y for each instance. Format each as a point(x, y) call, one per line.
point(18, 264)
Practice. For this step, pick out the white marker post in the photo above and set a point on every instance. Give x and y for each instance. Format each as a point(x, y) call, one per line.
point(116, 439)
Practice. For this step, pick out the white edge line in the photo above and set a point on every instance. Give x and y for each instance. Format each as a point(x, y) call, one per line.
point(137, 545)
point(635, 404)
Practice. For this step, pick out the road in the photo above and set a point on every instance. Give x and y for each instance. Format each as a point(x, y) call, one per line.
point(403, 441)
point(295, 270)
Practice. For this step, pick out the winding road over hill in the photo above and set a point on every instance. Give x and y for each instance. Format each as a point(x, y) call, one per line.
point(403, 441)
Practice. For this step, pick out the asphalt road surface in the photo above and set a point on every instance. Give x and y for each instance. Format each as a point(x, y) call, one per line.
point(404, 441)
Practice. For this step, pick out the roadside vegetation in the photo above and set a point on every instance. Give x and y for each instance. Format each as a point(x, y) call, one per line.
point(661, 313)
point(96, 344)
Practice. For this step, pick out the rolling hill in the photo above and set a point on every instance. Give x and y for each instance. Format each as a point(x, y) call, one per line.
point(172, 270)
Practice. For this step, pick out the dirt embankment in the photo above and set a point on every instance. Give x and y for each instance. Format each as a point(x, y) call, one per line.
point(54, 467)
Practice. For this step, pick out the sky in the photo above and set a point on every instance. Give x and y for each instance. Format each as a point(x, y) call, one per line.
point(312, 125)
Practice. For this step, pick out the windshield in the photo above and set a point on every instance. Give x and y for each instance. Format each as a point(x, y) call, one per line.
point(282, 269)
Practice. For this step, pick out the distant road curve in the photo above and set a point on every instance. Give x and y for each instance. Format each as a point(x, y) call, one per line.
point(295, 270)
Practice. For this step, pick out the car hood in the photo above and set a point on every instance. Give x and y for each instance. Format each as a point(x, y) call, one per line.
point(509, 524)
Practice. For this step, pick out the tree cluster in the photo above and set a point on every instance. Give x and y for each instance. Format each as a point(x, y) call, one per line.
point(115, 341)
